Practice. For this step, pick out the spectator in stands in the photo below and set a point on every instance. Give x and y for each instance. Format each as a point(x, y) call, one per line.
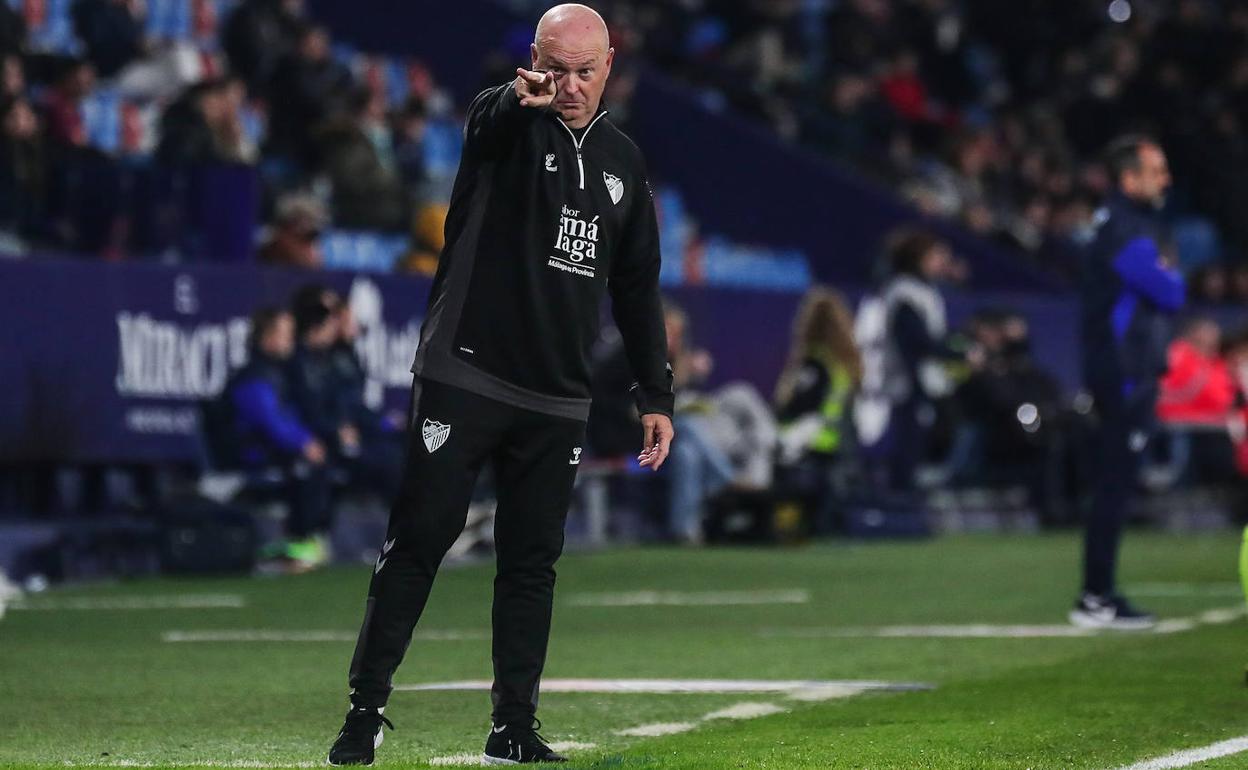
point(1198, 402)
point(294, 238)
point(230, 135)
point(410, 123)
point(730, 434)
point(62, 104)
point(23, 174)
point(697, 467)
point(12, 31)
point(849, 122)
point(268, 433)
point(813, 398)
point(12, 77)
point(1210, 285)
point(1237, 283)
point(1197, 389)
point(205, 126)
point(189, 126)
point(257, 36)
point(111, 31)
point(902, 334)
point(357, 157)
point(306, 89)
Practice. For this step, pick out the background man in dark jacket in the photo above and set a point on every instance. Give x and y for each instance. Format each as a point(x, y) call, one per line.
point(1129, 293)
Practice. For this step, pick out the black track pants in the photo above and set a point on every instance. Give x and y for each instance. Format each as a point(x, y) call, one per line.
point(1124, 426)
point(454, 433)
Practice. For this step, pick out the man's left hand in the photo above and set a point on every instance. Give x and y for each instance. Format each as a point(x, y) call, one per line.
point(657, 440)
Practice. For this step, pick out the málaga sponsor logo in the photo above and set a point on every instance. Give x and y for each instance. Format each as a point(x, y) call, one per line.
point(576, 244)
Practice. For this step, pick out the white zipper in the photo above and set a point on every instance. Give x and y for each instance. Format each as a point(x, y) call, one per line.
point(580, 164)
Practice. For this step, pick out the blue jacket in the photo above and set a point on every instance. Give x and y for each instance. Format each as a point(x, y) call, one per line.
point(1129, 297)
point(267, 428)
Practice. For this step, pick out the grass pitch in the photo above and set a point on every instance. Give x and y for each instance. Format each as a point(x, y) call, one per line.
point(81, 685)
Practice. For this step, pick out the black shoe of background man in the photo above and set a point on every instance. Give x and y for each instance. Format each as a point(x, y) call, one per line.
point(359, 737)
point(517, 744)
point(1110, 612)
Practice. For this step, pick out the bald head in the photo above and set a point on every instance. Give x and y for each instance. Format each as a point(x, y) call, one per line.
point(572, 21)
point(573, 43)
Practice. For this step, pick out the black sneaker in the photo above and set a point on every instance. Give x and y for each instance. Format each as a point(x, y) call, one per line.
point(517, 745)
point(1112, 612)
point(360, 735)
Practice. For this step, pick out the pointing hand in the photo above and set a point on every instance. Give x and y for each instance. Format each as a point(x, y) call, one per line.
point(535, 89)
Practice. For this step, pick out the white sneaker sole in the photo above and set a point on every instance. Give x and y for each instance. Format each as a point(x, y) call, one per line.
point(1086, 620)
point(486, 759)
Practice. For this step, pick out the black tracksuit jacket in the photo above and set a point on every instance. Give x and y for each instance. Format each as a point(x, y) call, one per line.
point(542, 220)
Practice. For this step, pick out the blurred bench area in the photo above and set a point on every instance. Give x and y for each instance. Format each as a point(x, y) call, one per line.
point(112, 371)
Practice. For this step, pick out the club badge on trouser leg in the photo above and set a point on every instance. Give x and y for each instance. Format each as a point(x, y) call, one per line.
point(435, 434)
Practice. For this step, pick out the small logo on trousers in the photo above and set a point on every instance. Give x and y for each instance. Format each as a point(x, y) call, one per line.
point(435, 434)
point(385, 551)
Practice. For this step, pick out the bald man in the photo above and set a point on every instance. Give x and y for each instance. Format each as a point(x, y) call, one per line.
point(551, 209)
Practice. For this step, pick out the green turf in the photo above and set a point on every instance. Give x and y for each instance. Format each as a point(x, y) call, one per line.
point(100, 687)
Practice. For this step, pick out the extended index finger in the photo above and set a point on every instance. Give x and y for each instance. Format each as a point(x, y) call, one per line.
point(536, 78)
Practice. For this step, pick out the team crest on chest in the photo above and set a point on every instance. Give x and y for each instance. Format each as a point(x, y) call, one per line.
point(435, 434)
point(615, 186)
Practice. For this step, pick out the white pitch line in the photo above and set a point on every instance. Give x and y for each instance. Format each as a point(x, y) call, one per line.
point(689, 598)
point(831, 692)
point(986, 631)
point(475, 759)
point(1174, 626)
point(791, 687)
point(155, 602)
point(263, 635)
point(1219, 616)
point(972, 631)
point(455, 760)
point(1190, 757)
point(656, 729)
point(745, 711)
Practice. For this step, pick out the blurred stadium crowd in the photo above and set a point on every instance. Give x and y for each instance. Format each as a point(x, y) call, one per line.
point(988, 113)
point(97, 93)
point(991, 113)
